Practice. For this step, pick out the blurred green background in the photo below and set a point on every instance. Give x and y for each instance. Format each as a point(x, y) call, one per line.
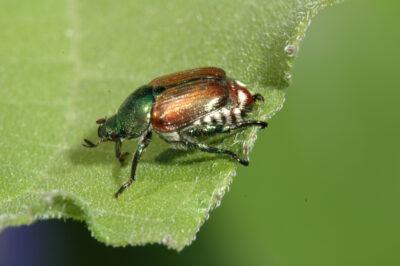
point(323, 187)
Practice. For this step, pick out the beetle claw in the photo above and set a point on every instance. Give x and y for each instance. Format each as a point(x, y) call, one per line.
point(263, 124)
point(244, 162)
point(122, 157)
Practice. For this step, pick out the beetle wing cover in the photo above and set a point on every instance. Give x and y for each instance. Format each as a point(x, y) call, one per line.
point(180, 106)
point(186, 76)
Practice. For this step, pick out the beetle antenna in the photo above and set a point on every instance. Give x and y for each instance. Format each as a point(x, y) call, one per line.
point(101, 121)
point(89, 144)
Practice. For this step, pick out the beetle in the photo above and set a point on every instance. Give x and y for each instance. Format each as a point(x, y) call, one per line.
point(180, 107)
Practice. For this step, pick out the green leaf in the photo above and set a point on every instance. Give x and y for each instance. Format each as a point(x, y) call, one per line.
point(62, 66)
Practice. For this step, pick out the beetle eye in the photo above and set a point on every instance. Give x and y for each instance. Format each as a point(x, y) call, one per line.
point(100, 132)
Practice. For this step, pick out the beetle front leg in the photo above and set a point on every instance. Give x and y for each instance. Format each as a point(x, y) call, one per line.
point(144, 142)
point(120, 156)
point(202, 147)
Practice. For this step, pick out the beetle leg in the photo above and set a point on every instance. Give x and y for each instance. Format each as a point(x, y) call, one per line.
point(258, 97)
point(245, 124)
point(120, 156)
point(143, 143)
point(200, 146)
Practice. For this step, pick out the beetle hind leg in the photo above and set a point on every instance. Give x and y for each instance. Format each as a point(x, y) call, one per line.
point(205, 148)
point(245, 124)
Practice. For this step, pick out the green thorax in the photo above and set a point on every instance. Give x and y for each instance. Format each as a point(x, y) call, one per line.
point(133, 116)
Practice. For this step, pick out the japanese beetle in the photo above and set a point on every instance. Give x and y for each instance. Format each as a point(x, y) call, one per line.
point(180, 107)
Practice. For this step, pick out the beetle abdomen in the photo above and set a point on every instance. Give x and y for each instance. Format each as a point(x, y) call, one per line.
point(181, 106)
point(222, 117)
point(239, 94)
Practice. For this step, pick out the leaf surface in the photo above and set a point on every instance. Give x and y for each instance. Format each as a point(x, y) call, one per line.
point(65, 64)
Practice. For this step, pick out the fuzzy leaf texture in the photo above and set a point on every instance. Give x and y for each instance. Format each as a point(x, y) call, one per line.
point(65, 64)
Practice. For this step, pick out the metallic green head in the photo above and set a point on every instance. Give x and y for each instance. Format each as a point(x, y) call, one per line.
point(132, 118)
point(108, 129)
